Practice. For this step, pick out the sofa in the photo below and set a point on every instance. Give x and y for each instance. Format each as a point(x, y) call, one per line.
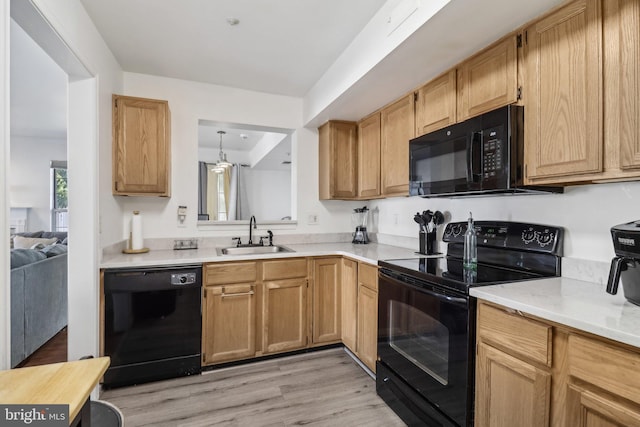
point(38, 295)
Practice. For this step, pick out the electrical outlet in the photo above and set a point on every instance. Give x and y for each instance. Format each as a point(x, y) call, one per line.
point(312, 219)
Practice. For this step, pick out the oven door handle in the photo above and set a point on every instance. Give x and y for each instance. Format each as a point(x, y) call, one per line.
point(439, 296)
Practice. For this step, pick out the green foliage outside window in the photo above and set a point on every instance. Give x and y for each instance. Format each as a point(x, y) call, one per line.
point(61, 190)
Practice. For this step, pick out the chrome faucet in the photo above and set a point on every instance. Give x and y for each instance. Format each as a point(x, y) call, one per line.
point(252, 221)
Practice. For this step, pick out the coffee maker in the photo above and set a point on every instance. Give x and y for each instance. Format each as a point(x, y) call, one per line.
point(625, 267)
point(360, 217)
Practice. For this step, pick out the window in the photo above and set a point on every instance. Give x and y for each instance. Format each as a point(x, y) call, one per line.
point(59, 196)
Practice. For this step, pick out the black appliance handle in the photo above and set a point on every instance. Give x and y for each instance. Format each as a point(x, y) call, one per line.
point(618, 264)
point(474, 173)
point(436, 295)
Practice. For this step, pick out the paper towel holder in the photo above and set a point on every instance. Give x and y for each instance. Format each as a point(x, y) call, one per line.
point(129, 249)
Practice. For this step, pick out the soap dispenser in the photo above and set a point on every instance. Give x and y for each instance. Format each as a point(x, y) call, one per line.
point(470, 256)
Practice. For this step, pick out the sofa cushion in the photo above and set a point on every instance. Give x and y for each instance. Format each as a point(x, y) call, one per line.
point(60, 235)
point(22, 256)
point(28, 242)
point(53, 250)
point(30, 233)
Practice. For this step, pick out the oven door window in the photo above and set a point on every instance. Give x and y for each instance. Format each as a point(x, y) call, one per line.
point(421, 338)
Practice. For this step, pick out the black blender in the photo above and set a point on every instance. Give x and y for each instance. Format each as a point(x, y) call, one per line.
point(360, 217)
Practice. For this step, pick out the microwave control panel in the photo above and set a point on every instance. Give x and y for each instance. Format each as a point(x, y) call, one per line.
point(492, 152)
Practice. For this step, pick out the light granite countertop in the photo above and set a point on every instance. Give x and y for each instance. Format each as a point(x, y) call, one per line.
point(575, 303)
point(370, 253)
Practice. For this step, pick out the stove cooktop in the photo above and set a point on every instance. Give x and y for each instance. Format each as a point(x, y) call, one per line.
point(507, 252)
point(447, 272)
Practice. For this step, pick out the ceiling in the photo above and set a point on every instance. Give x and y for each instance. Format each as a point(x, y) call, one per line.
point(281, 47)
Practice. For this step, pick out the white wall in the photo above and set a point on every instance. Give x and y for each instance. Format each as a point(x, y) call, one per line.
point(30, 177)
point(587, 213)
point(269, 193)
point(191, 101)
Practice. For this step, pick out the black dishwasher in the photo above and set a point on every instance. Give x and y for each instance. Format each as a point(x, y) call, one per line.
point(152, 323)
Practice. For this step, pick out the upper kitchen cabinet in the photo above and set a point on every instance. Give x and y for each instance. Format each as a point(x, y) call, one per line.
point(436, 104)
point(141, 147)
point(369, 157)
point(488, 80)
point(563, 90)
point(398, 127)
point(337, 160)
point(622, 87)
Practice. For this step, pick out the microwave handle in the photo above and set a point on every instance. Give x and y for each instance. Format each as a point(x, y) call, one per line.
point(474, 172)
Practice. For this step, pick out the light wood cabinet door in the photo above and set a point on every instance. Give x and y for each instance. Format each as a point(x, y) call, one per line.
point(369, 157)
point(604, 380)
point(499, 379)
point(398, 127)
point(367, 339)
point(337, 160)
point(488, 80)
point(326, 300)
point(563, 93)
point(436, 104)
point(591, 408)
point(229, 329)
point(284, 315)
point(141, 147)
point(349, 303)
point(629, 80)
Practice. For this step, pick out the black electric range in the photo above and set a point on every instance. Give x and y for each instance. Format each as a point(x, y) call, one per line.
point(426, 318)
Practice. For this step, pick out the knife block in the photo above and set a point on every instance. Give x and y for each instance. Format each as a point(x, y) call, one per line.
point(428, 243)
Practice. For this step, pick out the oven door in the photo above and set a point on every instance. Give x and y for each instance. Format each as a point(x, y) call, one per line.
point(425, 337)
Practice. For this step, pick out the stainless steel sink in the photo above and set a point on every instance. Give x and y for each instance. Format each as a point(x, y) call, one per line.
point(252, 250)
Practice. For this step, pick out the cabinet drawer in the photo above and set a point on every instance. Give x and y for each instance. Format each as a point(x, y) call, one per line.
point(607, 366)
point(528, 338)
point(284, 269)
point(368, 276)
point(227, 273)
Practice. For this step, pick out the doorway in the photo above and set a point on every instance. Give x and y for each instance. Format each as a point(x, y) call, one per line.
point(81, 150)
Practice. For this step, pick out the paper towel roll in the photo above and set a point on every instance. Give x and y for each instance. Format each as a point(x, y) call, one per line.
point(137, 242)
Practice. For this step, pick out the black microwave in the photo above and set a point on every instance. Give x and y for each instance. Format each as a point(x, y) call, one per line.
point(480, 156)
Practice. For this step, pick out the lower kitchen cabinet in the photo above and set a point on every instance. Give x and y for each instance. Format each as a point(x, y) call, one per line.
point(255, 308)
point(531, 372)
point(499, 378)
point(367, 335)
point(229, 331)
point(284, 311)
point(349, 303)
point(285, 315)
point(228, 311)
point(326, 300)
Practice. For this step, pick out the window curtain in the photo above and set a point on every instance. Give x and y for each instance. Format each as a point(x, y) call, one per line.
point(203, 179)
point(238, 202)
point(212, 193)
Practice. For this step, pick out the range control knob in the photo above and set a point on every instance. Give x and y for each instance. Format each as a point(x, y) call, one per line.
point(456, 229)
point(183, 279)
point(528, 236)
point(545, 238)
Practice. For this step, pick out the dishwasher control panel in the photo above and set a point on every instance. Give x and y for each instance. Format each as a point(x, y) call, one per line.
point(183, 278)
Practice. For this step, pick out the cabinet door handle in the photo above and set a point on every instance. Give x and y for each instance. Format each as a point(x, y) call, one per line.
point(241, 294)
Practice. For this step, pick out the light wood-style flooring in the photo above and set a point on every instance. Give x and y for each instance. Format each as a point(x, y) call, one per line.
point(323, 388)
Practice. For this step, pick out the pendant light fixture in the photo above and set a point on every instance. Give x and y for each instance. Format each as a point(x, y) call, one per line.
point(222, 162)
